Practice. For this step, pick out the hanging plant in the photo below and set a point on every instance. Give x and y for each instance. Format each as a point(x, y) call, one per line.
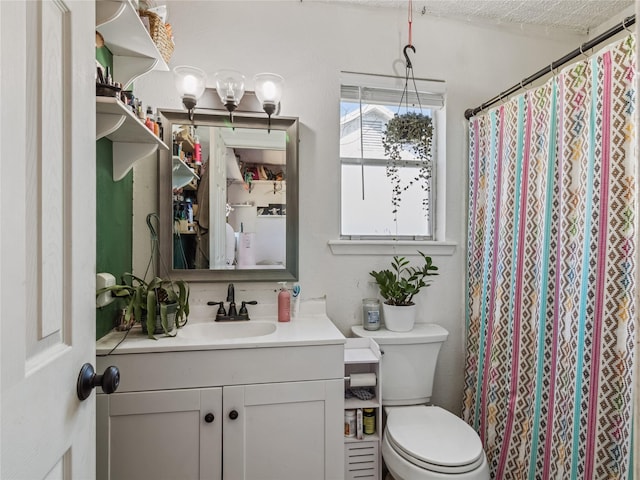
point(412, 133)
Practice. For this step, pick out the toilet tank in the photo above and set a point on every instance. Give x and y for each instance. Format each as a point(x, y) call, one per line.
point(408, 361)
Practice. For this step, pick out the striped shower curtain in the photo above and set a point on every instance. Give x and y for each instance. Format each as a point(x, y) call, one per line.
point(551, 283)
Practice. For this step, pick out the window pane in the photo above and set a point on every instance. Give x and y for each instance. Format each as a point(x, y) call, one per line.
point(373, 214)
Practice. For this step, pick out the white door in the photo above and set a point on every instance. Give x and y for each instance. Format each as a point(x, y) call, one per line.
point(47, 238)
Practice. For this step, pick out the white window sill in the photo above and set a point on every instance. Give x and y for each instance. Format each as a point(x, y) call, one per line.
point(391, 247)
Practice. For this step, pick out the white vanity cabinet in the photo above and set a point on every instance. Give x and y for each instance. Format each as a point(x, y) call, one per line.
point(275, 413)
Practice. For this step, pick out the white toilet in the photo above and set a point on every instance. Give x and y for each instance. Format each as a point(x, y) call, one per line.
point(421, 442)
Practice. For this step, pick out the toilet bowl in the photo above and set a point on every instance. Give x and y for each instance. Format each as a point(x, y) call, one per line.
point(429, 443)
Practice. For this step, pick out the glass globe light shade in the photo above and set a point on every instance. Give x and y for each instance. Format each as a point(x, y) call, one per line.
point(190, 83)
point(230, 87)
point(268, 87)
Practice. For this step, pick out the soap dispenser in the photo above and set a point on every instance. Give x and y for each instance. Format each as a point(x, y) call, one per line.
point(284, 303)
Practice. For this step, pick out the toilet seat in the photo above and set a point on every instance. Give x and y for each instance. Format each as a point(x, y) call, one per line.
point(434, 439)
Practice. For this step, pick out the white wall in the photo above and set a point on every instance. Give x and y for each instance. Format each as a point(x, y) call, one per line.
point(309, 44)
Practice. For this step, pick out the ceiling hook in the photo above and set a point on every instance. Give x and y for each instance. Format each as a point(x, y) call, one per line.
point(406, 56)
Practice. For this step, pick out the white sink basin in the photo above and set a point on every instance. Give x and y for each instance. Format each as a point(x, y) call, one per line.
point(227, 330)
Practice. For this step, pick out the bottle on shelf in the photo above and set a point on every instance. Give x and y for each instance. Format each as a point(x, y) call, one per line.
point(148, 121)
point(350, 423)
point(156, 128)
point(189, 208)
point(197, 151)
point(160, 128)
point(369, 421)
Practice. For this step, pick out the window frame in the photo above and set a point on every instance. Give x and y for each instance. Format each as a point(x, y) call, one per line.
point(433, 92)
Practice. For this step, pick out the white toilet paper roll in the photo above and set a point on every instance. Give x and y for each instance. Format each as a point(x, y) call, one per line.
point(362, 380)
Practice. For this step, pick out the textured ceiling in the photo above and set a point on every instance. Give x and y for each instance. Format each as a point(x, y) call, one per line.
point(578, 16)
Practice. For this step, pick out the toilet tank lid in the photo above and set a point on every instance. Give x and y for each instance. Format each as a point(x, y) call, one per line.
point(421, 333)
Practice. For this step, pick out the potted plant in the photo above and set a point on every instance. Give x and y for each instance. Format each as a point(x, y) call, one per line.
point(168, 300)
point(398, 287)
point(411, 133)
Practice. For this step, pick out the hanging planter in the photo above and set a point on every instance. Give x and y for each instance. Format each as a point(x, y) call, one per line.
point(409, 134)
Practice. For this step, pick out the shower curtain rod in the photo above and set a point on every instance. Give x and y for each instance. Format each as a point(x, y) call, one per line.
point(627, 22)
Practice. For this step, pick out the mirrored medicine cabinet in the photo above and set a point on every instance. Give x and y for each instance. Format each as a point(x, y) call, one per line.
point(228, 197)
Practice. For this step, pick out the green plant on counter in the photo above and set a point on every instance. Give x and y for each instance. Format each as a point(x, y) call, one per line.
point(156, 296)
point(399, 286)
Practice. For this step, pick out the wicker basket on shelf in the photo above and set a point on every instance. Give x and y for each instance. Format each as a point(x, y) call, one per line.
point(159, 34)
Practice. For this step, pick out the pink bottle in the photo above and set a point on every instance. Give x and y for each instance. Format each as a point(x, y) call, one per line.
point(284, 303)
point(197, 151)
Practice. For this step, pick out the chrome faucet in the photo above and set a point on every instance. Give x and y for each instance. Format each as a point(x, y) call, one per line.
point(223, 316)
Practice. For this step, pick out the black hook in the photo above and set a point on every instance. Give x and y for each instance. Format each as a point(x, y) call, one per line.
point(406, 56)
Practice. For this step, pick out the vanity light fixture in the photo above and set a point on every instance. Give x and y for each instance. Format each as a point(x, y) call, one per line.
point(190, 83)
point(268, 88)
point(230, 89)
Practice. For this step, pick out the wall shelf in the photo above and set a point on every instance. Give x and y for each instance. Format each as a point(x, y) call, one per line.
point(368, 438)
point(134, 53)
point(183, 175)
point(357, 403)
point(132, 140)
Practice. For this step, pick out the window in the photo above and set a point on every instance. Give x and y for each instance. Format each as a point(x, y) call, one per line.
point(367, 103)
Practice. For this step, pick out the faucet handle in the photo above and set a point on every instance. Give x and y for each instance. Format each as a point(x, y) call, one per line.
point(221, 311)
point(243, 307)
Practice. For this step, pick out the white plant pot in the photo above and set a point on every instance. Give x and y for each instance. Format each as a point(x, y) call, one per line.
point(399, 318)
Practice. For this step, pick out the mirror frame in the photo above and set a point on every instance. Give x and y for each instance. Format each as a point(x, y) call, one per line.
point(170, 118)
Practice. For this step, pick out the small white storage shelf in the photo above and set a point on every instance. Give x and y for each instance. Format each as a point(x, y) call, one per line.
point(132, 140)
point(134, 53)
point(362, 456)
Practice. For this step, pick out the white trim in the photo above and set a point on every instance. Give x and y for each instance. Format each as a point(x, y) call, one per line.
point(391, 247)
point(439, 176)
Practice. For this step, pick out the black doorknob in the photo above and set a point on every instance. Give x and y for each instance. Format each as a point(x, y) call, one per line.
point(209, 417)
point(88, 380)
point(233, 414)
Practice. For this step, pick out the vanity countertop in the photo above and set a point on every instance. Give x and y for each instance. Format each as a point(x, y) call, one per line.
point(311, 327)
